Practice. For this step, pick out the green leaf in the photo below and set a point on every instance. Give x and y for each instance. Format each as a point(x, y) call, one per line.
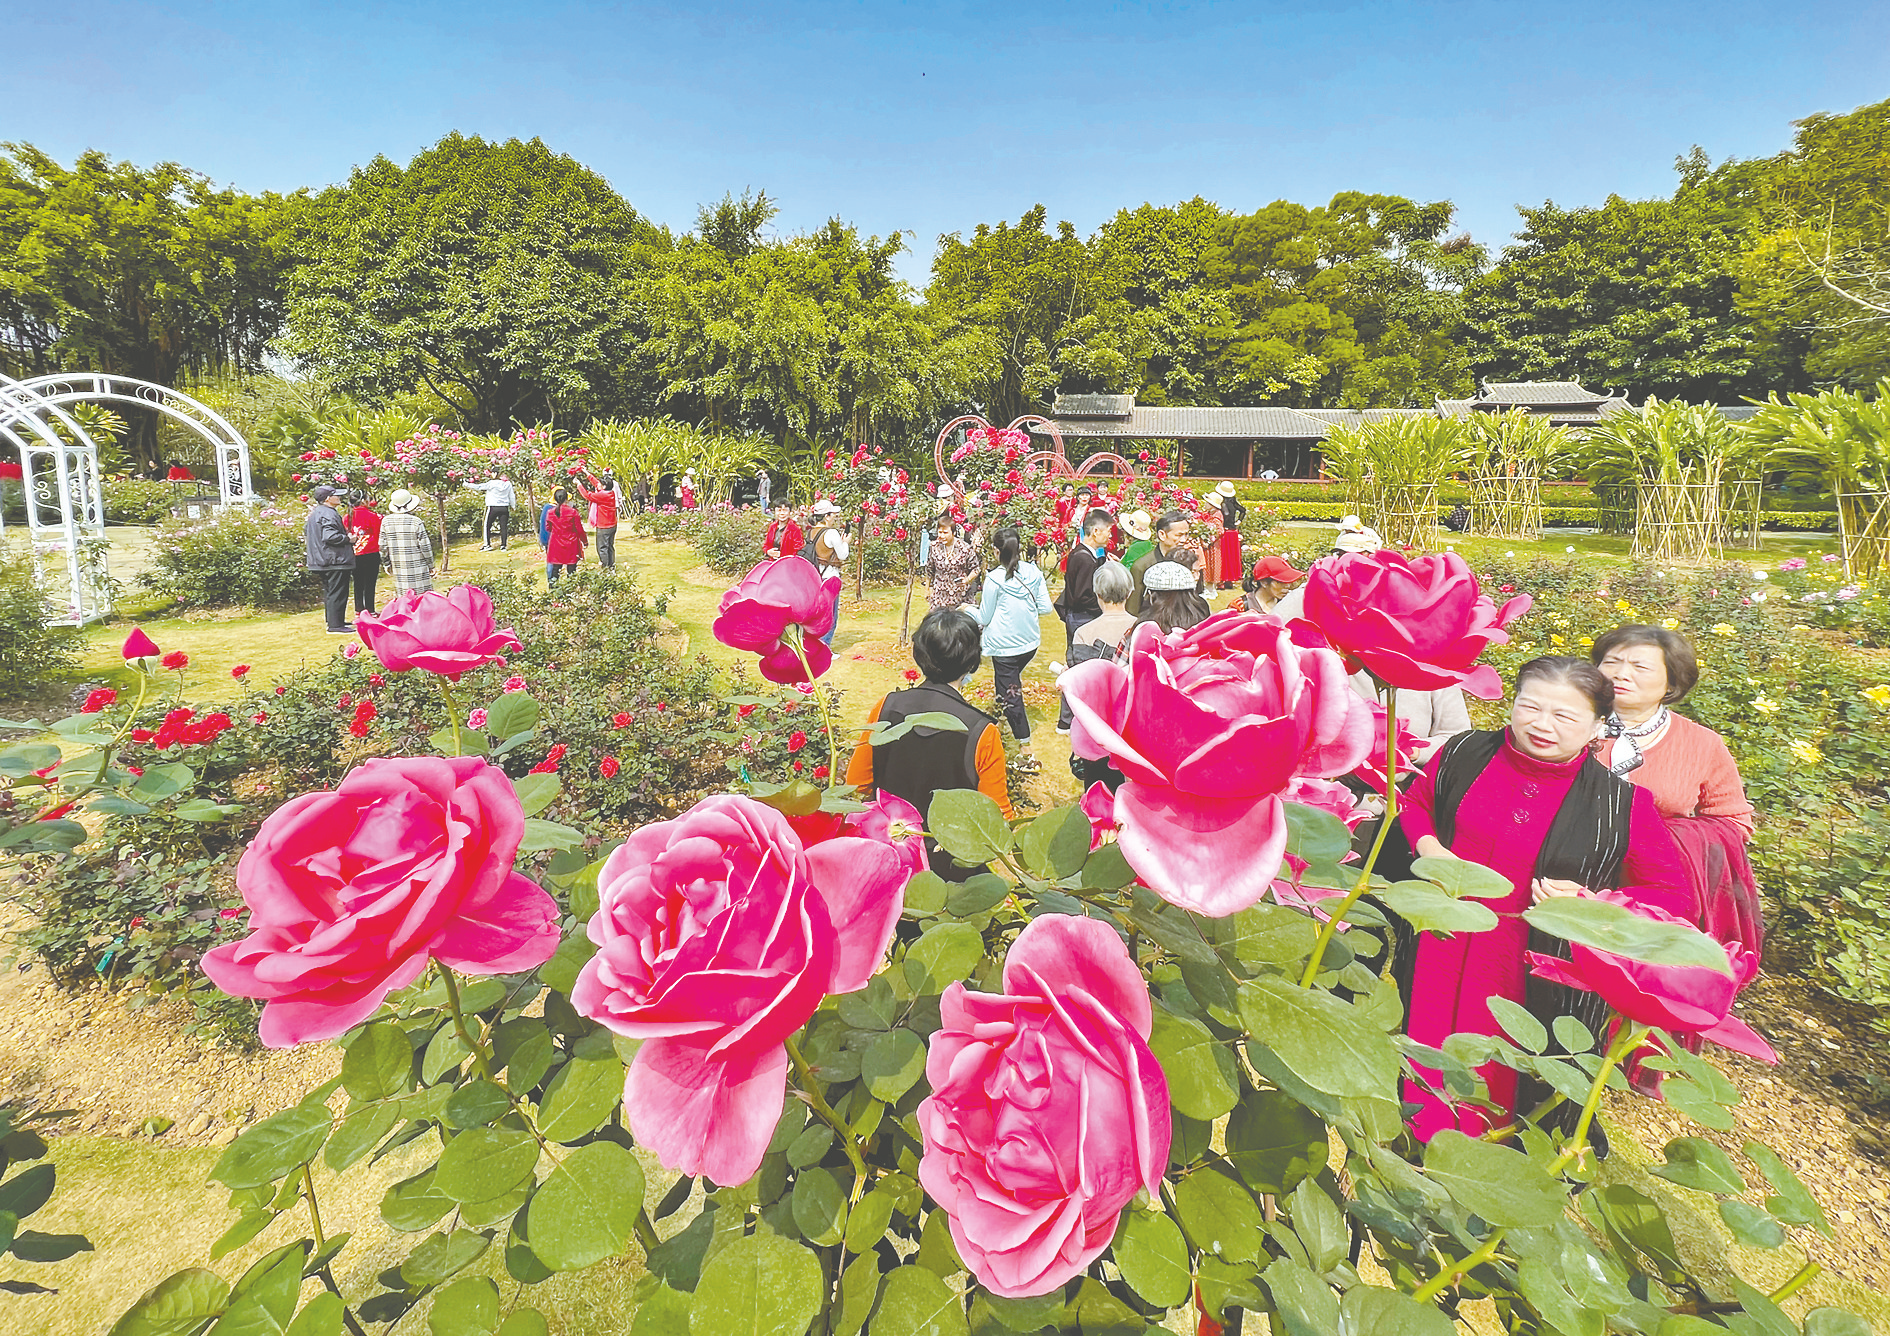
point(1430, 909)
point(1519, 1024)
point(263, 1301)
point(320, 1316)
point(1026, 1315)
point(445, 1051)
point(536, 792)
point(513, 712)
point(870, 1008)
point(1605, 926)
point(1220, 1216)
point(441, 1256)
point(587, 1207)
point(1320, 1039)
point(926, 894)
point(760, 1285)
point(203, 810)
point(981, 893)
point(248, 1225)
point(1306, 1304)
point(937, 1253)
point(580, 1097)
point(114, 805)
point(914, 1302)
point(1056, 844)
point(866, 1225)
point(1790, 1201)
point(1492, 1180)
point(1315, 835)
point(1700, 1165)
point(1762, 1317)
point(1201, 1073)
point(1107, 869)
point(1572, 1035)
point(378, 1063)
point(809, 1145)
point(485, 1162)
point(968, 825)
point(176, 1306)
point(945, 954)
point(1153, 1257)
point(1751, 1226)
point(543, 835)
point(1320, 1226)
point(161, 781)
point(275, 1147)
point(893, 1064)
point(662, 1311)
point(26, 1192)
point(1835, 1322)
point(475, 1104)
point(859, 1287)
point(1371, 1311)
point(1462, 878)
point(820, 1207)
point(562, 970)
point(412, 1204)
point(467, 1307)
point(1268, 935)
point(1275, 1142)
point(470, 742)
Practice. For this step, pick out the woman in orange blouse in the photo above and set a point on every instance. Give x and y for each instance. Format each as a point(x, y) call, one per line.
point(1686, 766)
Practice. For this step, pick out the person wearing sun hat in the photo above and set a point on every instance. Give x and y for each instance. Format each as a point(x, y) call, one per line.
point(1232, 515)
point(1171, 597)
point(1356, 536)
point(1137, 525)
point(828, 544)
point(406, 546)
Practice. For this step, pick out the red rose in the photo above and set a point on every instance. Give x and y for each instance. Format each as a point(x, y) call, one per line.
point(240, 671)
point(176, 660)
point(796, 740)
point(98, 700)
point(142, 735)
point(608, 767)
point(912, 674)
point(622, 720)
point(352, 893)
point(1418, 622)
point(743, 711)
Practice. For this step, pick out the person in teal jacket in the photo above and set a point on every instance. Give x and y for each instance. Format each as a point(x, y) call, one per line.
point(1015, 598)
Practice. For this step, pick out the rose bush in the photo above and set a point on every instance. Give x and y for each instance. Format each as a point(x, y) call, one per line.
point(1048, 1112)
point(1211, 726)
point(718, 935)
point(1412, 622)
point(353, 893)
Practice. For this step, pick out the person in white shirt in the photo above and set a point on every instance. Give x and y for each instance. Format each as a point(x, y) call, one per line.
point(827, 547)
point(500, 499)
point(1356, 536)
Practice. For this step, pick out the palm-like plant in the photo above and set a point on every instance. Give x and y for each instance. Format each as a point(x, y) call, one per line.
point(640, 450)
point(1509, 455)
point(1843, 438)
point(1391, 470)
point(1677, 458)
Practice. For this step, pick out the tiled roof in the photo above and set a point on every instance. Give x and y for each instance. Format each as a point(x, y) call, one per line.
point(1737, 412)
point(1093, 406)
point(1537, 392)
point(1353, 417)
point(1196, 424)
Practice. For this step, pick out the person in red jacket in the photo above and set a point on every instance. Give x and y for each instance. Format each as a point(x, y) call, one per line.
point(364, 528)
point(784, 537)
point(564, 537)
point(603, 498)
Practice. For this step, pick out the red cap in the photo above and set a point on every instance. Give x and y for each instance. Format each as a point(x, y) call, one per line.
point(1276, 568)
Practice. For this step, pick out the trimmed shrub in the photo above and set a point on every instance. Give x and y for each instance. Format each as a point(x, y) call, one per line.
point(137, 500)
point(236, 558)
point(32, 653)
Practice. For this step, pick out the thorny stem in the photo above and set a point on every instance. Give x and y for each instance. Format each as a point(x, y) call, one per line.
point(1630, 1039)
point(820, 699)
point(481, 1063)
point(810, 1091)
point(1331, 925)
point(1807, 1273)
point(314, 1211)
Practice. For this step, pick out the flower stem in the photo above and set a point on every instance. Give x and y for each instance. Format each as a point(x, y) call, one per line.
point(820, 699)
point(1807, 1273)
point(1331, 925)
point(314, 1211)
point(810, 1091)
point(1450, 1275)
point(459, 1023)
point(452, 719)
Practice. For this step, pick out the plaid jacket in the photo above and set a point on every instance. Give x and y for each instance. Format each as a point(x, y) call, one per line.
point(407, 552)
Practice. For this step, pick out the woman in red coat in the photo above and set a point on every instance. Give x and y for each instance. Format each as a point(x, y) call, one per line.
point(564, 537)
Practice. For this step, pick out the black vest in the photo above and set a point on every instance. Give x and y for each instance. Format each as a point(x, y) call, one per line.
point(926, 760)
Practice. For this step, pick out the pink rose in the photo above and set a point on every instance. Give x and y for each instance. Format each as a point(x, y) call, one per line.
point(138, 645)
point(889, 820)
point(1417, 623)
point(1211, 726)
point(718, 935)
point(450, 634)
point(1681, 999)
point(1048, 1112)
point(775, 602)
point(1099, 805)
point(351, 893)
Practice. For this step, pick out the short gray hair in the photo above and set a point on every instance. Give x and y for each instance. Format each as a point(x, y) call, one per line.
point(1113, 583)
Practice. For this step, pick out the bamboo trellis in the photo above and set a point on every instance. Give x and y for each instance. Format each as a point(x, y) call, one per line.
point(1679, 521)
point(1506, 505)
point(1864, 533)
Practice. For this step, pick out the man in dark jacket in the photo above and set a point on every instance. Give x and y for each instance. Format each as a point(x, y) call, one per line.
point(331, 558)
point(1172, 532)
point(1077, 606)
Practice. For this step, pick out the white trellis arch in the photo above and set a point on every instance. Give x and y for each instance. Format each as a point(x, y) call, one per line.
point(229, 451)
point(65, 506)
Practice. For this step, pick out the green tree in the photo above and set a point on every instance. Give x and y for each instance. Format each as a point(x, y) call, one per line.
point(1352, 303)
point(1636, 296)
point(147, 272)
point(493, 275)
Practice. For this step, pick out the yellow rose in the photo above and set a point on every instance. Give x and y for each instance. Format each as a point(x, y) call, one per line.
point(1764, 705)
point(1878, 695)
point(1671, 624)
point(1588, 642)
point(1724, 630)
point(1555, 640)
point(1807, 752)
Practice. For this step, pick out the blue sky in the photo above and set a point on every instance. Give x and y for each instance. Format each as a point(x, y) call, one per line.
point(930, 118)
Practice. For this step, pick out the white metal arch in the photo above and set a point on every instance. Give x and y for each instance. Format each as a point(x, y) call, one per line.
point(65, 506)
point(228, 448)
